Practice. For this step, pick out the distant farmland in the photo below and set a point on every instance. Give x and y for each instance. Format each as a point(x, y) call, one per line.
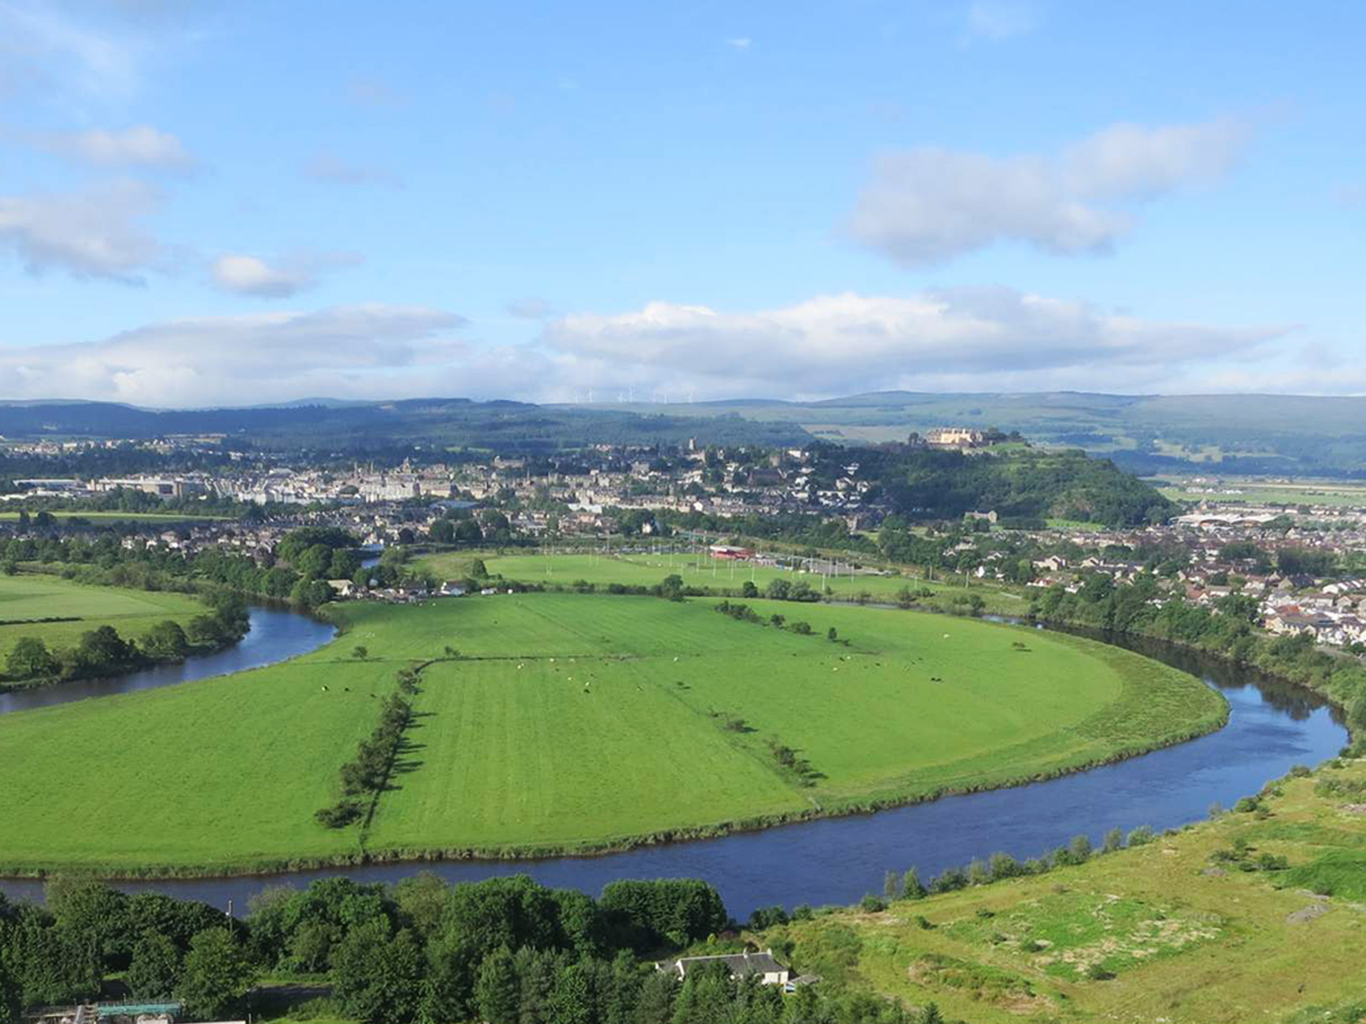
point(704, 571)
point(30, 597)
point(563, 722)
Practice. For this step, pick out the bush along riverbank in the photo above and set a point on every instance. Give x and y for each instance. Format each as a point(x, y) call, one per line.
point(103, 652)
point(1229, 630)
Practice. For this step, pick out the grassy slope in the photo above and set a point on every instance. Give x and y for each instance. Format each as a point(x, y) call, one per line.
point(1187, 944)
point(229, 772)
point(131, 612)
point(647, 570)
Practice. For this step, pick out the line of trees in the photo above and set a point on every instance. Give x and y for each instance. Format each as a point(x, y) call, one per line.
point(1228, 629)
point(367, 773)
point(304, 561)
point(103, 652)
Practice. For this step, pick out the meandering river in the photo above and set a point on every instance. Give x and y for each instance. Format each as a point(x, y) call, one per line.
point(1271, 727)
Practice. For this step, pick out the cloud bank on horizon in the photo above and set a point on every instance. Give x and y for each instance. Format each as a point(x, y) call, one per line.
point(991, 339)
point(728, 209)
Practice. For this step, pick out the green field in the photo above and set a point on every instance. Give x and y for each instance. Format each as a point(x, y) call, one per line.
point(1185, 935)
point(131, 612)
point(572, 722)
point(704, 571)
point(1291, 493)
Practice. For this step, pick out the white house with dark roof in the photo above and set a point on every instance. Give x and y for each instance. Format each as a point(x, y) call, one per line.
point(740, 965)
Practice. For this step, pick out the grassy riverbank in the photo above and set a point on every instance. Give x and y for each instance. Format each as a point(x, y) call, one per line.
point(26, 599)
point(560, 723)
point(1187, 929)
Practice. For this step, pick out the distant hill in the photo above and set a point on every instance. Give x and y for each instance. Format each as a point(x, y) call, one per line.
point(1228, 434)
point(457, 422)
point(1264, 434)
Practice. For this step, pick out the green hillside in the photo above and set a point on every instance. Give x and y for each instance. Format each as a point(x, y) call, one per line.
point(1285, 434)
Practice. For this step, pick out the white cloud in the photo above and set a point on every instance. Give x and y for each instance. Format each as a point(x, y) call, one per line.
point(242, 360)
point(44, 46)
point(837, 344)
point(328, 167)
point(739, 43)
point(925, 206)
point(531, 307)
point(139, 146)
point(96, 233)
point(252, 275)
point(1350, 195)
point(373, 91)
point(999, 19)
point(990, 339)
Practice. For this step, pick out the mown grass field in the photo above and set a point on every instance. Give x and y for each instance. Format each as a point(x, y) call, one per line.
point(1186, 938)
point(703, 571)
point(28, 597)
point(571, 722)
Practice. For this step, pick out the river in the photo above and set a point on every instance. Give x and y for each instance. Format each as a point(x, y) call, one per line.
point(1271, 727)
point(275, 635)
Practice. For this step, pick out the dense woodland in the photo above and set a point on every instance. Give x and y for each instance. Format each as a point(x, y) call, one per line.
point(503, 951)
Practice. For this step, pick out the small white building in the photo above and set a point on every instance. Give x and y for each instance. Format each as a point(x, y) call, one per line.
point(740, 965)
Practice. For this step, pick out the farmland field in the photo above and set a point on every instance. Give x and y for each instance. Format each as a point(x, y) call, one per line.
point(571, 722)
point(1253, 491)
point(24, 598)
point(703, 571)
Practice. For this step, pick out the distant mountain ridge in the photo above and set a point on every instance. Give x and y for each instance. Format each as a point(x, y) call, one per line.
point(1229, 434)
point(500, 424)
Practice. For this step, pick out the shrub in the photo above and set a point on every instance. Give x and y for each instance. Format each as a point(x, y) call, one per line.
point(1141, 835)
point(339, 815)
point(1079, 849)
point(911, 889)
point(1003, 865)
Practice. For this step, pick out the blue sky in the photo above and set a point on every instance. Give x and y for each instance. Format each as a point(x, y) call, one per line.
point(214, 203)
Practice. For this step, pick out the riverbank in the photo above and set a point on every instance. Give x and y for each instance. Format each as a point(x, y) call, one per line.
point(1339, 680)
point(59, 613)
point(1254, 914)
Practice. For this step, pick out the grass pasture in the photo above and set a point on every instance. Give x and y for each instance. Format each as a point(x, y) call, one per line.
point(700, 571)
point(571, 722)
point(29, 597)
point(1181, 939)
